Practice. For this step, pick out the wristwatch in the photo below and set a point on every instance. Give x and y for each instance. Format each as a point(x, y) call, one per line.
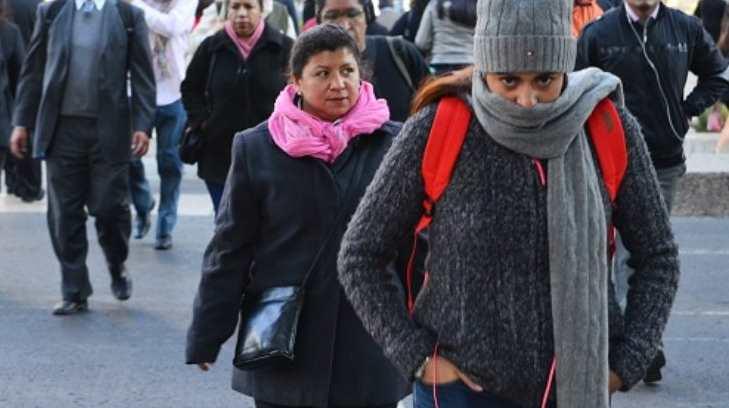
point(421, 369)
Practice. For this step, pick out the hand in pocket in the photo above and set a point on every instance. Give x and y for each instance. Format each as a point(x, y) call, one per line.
point(441, 371)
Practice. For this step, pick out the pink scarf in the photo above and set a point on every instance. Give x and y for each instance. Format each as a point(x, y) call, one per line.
point(300, 134)
point(245, 45)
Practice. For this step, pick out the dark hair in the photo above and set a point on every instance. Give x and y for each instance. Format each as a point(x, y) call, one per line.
point(369, 10)
point(324, 37)
point(226, 6)
point(435, 88)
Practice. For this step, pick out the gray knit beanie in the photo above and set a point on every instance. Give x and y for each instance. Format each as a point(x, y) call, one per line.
point(524, 36)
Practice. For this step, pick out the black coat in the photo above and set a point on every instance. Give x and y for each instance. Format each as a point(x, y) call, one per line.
point(711, 13)
point(240, 93)
point(676, 44)
point(275, 212)
point(12, 53)
point(22, 13)
point(388, 80)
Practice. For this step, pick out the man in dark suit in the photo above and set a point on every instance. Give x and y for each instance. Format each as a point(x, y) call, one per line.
point(73, 95)
point(23, 176)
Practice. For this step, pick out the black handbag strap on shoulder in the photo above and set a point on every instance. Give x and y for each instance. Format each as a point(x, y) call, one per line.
point(347, 201)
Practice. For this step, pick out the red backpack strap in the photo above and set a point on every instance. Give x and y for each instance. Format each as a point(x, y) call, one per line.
point(447, 134)
point(608, 139)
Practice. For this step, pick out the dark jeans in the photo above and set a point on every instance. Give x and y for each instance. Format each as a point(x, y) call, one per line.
point(216, 193)
point(169, 122)
point(23, 176)
point(79, 177)
point(457, 395)
point(262, 404)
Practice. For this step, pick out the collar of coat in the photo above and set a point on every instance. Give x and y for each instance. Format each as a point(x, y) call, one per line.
point(270, 37)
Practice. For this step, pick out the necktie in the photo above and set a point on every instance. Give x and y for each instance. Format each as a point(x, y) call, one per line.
point(88, 7)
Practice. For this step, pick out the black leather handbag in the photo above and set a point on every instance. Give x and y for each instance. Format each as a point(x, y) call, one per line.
point(269, 321)
point(268, 327)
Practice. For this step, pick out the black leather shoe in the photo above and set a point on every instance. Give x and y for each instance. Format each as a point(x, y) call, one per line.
point(163, 243)
point(121, 284)
point(144, 222)
point(69, 307)
point(653, 373)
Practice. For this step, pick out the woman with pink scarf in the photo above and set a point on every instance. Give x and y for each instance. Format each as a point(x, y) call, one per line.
point(294, 183)
point(231, 85)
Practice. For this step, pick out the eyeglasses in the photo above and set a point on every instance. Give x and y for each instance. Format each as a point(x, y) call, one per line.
point(336, 15)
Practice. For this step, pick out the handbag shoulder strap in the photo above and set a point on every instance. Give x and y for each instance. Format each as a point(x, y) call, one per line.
point(347, 201)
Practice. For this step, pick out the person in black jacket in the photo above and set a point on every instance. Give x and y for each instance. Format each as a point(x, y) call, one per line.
point(23, 176)
point(397, 67)
point(651, 48)
point(295, 181)
point(227, 90)
point(12, 53)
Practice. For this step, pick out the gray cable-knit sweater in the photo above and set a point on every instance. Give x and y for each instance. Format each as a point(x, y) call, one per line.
point(488, 302)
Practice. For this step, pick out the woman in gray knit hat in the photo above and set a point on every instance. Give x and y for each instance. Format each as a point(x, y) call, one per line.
point(518, 264)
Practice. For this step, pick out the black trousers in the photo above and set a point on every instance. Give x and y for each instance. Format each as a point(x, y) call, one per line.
point(261, 404)
point(23, 176)
point(3, 157)
point(80, 178)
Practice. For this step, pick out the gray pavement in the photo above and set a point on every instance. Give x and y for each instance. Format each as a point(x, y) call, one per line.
point(132, 354)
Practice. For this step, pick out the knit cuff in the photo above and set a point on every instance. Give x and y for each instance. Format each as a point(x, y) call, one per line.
point(627, 365)
point(409, 351)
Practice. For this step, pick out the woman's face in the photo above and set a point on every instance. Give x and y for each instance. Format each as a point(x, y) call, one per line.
point(528, 88)
point(245, 16)
point(329, 84)
point(348, 14)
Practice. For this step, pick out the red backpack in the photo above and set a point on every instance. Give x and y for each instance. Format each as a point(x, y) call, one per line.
point(445, 141)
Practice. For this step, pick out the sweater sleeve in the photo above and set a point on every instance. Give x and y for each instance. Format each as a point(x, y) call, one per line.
point(385, 217)
point(644, 226)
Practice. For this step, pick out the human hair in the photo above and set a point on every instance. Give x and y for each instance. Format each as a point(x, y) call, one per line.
point(324, 37)
point(369, 10)
point(226, 6)
point(435, 88)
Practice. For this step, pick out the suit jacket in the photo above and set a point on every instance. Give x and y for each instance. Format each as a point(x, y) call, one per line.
point(22, 13)
point(45, 70)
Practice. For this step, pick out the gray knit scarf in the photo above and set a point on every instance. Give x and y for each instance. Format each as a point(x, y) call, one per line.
point(576, 225)
point(159, 42)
